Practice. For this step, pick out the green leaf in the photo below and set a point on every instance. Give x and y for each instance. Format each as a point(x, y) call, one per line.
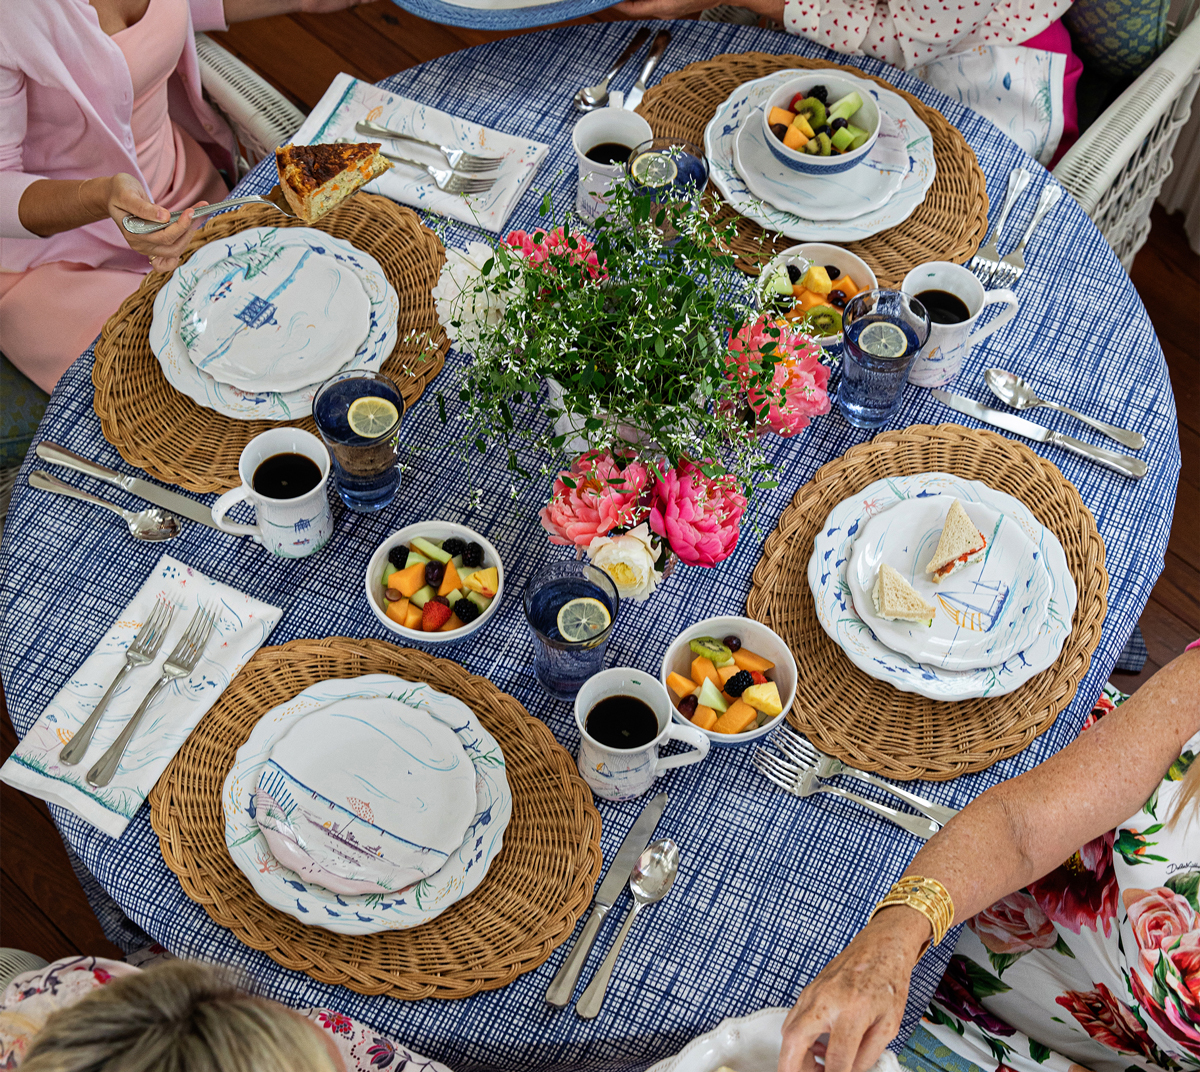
point(981, 982)
point(1132, 845)
point(999, 1049)
point(1062, 948)
point(1000, 961)
point(940, 1017)
point(547, 204)
point(1038, 1052)
point(1187, 885)
point(1179, 768)
point(441, 399)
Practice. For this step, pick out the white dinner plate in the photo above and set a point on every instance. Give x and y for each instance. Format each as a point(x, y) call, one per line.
point(318, 906)
point(984, 614)
point(839, 617)
point(275, 319)
point(828, 198)
point(373, 792)
point(169, 344)
point(739, 108)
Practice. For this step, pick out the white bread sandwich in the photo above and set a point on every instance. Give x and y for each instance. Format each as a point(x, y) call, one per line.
point(897, 601)
point(961, 544)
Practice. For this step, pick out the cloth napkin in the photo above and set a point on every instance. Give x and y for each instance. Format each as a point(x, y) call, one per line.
point(243, 626)
point(348, 101)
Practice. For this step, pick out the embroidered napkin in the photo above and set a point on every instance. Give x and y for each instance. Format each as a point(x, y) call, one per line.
point(348, 101)
point(243, 626)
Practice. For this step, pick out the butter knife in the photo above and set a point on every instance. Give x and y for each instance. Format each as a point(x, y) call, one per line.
point(657, 47)
point(143, 489)
point(560, 990)
point(1134, 468)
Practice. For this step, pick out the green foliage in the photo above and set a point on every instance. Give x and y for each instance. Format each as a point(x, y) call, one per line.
point(1186, 884)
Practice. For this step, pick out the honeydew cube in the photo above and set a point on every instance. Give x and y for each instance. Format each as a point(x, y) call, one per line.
point(426, 548)
point(423, 595)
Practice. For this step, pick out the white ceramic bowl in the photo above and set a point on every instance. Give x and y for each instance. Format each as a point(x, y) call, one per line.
point(753, 635)
point(819, 253)
point(839, 85)
point(431, 530)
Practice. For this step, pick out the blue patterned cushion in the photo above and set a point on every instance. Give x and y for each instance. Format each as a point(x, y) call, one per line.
point(21, 409)
point(1117, 38)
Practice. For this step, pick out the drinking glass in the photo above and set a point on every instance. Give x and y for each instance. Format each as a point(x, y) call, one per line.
point(562, 666)
point(671, 169)
point(882, 333)
point(367, 471)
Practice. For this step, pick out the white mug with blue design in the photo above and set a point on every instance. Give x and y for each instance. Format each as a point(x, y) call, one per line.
point(624, 773)
point(287, 527)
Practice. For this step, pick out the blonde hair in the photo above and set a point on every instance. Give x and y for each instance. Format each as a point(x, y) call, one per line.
point(180, 1016)
point(1188, 798)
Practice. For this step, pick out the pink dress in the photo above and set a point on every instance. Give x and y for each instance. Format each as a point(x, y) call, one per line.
point(34, 332)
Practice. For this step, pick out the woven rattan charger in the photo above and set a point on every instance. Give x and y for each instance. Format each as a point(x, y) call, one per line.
point(948, 225)
point(870, 724)
point(533, 895)
point(164, 432)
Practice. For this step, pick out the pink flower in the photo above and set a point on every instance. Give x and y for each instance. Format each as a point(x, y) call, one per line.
point(1082, 892)
point(605, 497)
point(1108, 1020)
point(337, 1022)
point(1158, 917)
point(1178, 1013)
point(697, 515)
point(556, 243)
point(798, 384)
point(1014, 924)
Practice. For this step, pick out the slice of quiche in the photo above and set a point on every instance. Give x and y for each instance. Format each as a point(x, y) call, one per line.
point(317, 178)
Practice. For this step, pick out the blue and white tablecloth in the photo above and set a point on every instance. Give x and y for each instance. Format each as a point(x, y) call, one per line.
point(771, 887)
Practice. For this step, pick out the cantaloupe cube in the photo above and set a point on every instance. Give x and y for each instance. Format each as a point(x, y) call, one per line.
point(726, 672)
point(704, 717)
point(702, 667)
point(409, 580)
point(397, 610)
point(450, 581)
point(737, 718)
point(807, 299)
point(780, 116)
point(452, 623)
point(680, 685)
point(413, 618)
point(795, 138)
point(748, 660)
point(846, 285)
point(764, 698)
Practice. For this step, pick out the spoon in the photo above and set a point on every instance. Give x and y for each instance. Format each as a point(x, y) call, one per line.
point(651, 880)
point(152, 524)
point(1019, 393)
point(590, 98)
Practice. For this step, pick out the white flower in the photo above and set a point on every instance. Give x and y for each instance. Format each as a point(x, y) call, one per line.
point(629, 560)
point(469, 305)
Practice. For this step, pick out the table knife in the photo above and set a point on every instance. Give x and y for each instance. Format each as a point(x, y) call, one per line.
point(561, 989)
point(657, 48)
point(143, 489)
point(1134, 468)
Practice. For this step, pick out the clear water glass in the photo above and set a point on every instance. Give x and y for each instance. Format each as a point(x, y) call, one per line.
point(671, 169)
point(562, 666)
point(366, 471)
point(882, 334)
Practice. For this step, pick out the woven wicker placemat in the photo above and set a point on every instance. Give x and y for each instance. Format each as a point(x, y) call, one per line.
point(948, 225)
point(870, 724)
point(533, 895)
point(171, 437)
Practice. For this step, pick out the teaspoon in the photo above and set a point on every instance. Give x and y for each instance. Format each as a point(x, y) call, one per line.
point(152, 524)
point(1019, 393)
point(590, 98)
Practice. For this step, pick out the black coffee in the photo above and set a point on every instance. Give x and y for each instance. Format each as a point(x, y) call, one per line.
point(622, 722)
point(609, 152)
point(944, 307)
point(286, 476)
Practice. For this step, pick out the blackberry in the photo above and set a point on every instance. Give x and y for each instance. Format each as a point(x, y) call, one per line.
point(739, 683)
point(397, 556)
point(472, 554)
point(434, 572)
point(453, 546)
point(794, 274)
point(467, 611)
point(821, 93)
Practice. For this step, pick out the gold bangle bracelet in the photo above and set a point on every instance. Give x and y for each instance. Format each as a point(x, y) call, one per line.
point(927, 896)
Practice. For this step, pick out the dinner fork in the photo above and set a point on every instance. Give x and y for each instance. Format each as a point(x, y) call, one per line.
point(458, 159)
point(1012, 267)
point(180, 663)
point(803, 782)
point(142, 651)
point(447, 181)
point(985, 262)
point(798, 748)
point(273, 197)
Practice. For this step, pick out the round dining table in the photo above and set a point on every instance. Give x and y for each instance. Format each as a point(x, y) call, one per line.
point(770, 886)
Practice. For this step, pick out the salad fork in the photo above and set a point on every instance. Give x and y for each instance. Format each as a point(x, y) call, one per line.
point(987, 260)
point(142, 651)
point(180, 663)
point(450, 182)
point(273, 197)
point(797, 748)
point(1012, 267)
point(458, 159)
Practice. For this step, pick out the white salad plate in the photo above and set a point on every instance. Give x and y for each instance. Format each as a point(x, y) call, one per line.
point(169, 341)
point(368, 913)
point(984, 614)
point(277, 322)
point(720, 137)
point(845, 195)
point(839, 617)
point(374, 793)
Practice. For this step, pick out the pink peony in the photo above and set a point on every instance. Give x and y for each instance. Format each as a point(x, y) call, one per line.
point(1108, 1020)
point(1179, 1012)
point(798, 384)
point(696, 515)
point(1014, 924)
point(1082, 892)
point(1158, 917)
point(605, 497)
point(555, 243)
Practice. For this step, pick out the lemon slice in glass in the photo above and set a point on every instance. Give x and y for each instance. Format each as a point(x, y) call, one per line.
point(371, 416)
point(583, 618)
point(654, 169)
point(883, 339)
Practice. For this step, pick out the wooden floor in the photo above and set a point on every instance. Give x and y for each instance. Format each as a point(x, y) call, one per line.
point(42, 908)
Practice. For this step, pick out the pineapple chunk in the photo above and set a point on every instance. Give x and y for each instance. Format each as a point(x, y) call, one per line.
point(764, 698)
point(817, 280)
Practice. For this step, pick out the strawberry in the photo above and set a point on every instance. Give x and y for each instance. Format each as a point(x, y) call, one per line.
point(435, 614)
point(759, 678)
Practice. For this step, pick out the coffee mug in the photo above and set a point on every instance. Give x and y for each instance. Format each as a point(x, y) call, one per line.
point(624, 773)
point(596, 128)
point(949, 345)
point(289, 528)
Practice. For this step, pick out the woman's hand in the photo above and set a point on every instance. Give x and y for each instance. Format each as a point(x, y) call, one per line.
point(662, 9)
point(857, 1002)
point(122, 195)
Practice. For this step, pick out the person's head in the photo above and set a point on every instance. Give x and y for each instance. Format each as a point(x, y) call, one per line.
point(179, 1016)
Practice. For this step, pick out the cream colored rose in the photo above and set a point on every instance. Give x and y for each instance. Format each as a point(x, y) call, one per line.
point(629, 560)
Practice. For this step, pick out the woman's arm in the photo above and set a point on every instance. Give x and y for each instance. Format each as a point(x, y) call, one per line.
point(678, 9)
point(1011, 835)
point(244, 10)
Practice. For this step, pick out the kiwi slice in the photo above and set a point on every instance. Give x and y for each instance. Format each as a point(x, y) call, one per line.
point(825, 143)
point(711, 647)
point(823, 320)
point(815, 111)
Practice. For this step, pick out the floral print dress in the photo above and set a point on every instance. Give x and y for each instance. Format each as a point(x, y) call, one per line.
point(1096, 964)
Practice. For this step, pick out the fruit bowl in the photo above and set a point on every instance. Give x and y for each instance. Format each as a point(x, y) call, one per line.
point(755, 637)
point(839, 85)
point(818, 253)
point(430, 530)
